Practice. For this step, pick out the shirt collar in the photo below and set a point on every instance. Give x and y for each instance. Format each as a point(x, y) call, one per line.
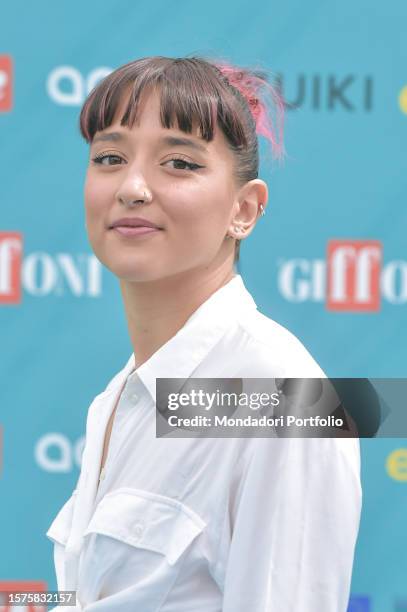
point(182, 353)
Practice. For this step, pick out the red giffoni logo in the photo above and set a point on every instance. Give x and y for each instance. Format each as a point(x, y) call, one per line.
point(353, 275)
point(20, 586)
point(11, 248)
point(6, 83)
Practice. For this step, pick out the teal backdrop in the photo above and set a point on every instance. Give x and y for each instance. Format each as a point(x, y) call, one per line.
point(63, 334)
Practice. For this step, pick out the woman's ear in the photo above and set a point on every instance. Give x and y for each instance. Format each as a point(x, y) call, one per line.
point(253, 194)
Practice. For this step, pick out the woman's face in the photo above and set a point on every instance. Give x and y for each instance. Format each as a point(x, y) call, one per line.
point(193, 205)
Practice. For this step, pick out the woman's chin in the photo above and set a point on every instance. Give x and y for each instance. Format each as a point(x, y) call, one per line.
point(127, 266)
point(136, 272)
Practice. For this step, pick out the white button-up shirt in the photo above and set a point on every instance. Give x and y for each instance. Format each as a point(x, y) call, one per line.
point(209, 524)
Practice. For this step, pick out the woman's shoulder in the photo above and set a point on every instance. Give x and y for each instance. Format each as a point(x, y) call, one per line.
point(269, 345)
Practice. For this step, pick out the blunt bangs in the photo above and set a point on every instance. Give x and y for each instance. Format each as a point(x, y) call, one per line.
point(192, 92)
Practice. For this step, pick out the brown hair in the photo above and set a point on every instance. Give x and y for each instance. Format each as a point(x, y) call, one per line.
point(193, 90)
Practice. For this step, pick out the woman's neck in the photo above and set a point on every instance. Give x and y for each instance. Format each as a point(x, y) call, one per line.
point(157, 310)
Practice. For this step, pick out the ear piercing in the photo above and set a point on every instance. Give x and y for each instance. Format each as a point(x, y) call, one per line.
point(238, 230)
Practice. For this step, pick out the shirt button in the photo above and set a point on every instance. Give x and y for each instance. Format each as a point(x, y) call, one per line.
point(138, 530)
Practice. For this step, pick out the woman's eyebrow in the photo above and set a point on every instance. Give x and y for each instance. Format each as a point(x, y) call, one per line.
point(171, 141)
point(113, 136)
point(174, 141)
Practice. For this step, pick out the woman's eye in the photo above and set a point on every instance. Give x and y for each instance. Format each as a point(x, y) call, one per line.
point(182, 164)
point(179, 163)
point(99, 159)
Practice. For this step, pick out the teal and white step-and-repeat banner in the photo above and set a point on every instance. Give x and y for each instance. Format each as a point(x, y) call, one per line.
point(341, 190)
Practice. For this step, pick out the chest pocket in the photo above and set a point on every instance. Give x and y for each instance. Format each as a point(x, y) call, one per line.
point(135, 543)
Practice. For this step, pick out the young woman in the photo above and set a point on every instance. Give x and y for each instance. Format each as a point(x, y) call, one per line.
point(195, 524)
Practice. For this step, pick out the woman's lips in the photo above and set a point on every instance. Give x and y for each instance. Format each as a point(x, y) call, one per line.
point(135, 231)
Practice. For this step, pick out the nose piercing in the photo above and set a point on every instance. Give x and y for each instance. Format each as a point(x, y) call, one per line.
point(138, 201)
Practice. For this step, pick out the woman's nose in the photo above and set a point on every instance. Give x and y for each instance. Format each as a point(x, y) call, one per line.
point(133, 190)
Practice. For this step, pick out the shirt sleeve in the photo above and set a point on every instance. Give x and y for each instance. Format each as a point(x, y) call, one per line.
point(295, 519)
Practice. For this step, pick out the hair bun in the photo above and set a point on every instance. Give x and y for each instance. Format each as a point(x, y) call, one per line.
point(252, 84)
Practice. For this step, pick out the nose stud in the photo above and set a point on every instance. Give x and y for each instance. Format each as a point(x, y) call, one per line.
point(146, 198)
point(139, 201)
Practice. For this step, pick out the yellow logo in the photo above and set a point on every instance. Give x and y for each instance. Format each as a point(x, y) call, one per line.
point(396, 463)
point(403, 99)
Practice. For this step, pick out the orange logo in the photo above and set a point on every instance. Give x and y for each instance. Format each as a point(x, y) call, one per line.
point(21, 586)
point(11, 246)
point(6, 83)
point(353, 275)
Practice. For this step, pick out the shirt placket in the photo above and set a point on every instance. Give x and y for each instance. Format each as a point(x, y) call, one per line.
point(129, 397)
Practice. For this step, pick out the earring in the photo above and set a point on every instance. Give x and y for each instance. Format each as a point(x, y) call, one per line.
point(238, 230)
point(262, 211)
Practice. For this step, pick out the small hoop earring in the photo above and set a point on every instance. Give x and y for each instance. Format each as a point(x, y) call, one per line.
point(262, 211)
